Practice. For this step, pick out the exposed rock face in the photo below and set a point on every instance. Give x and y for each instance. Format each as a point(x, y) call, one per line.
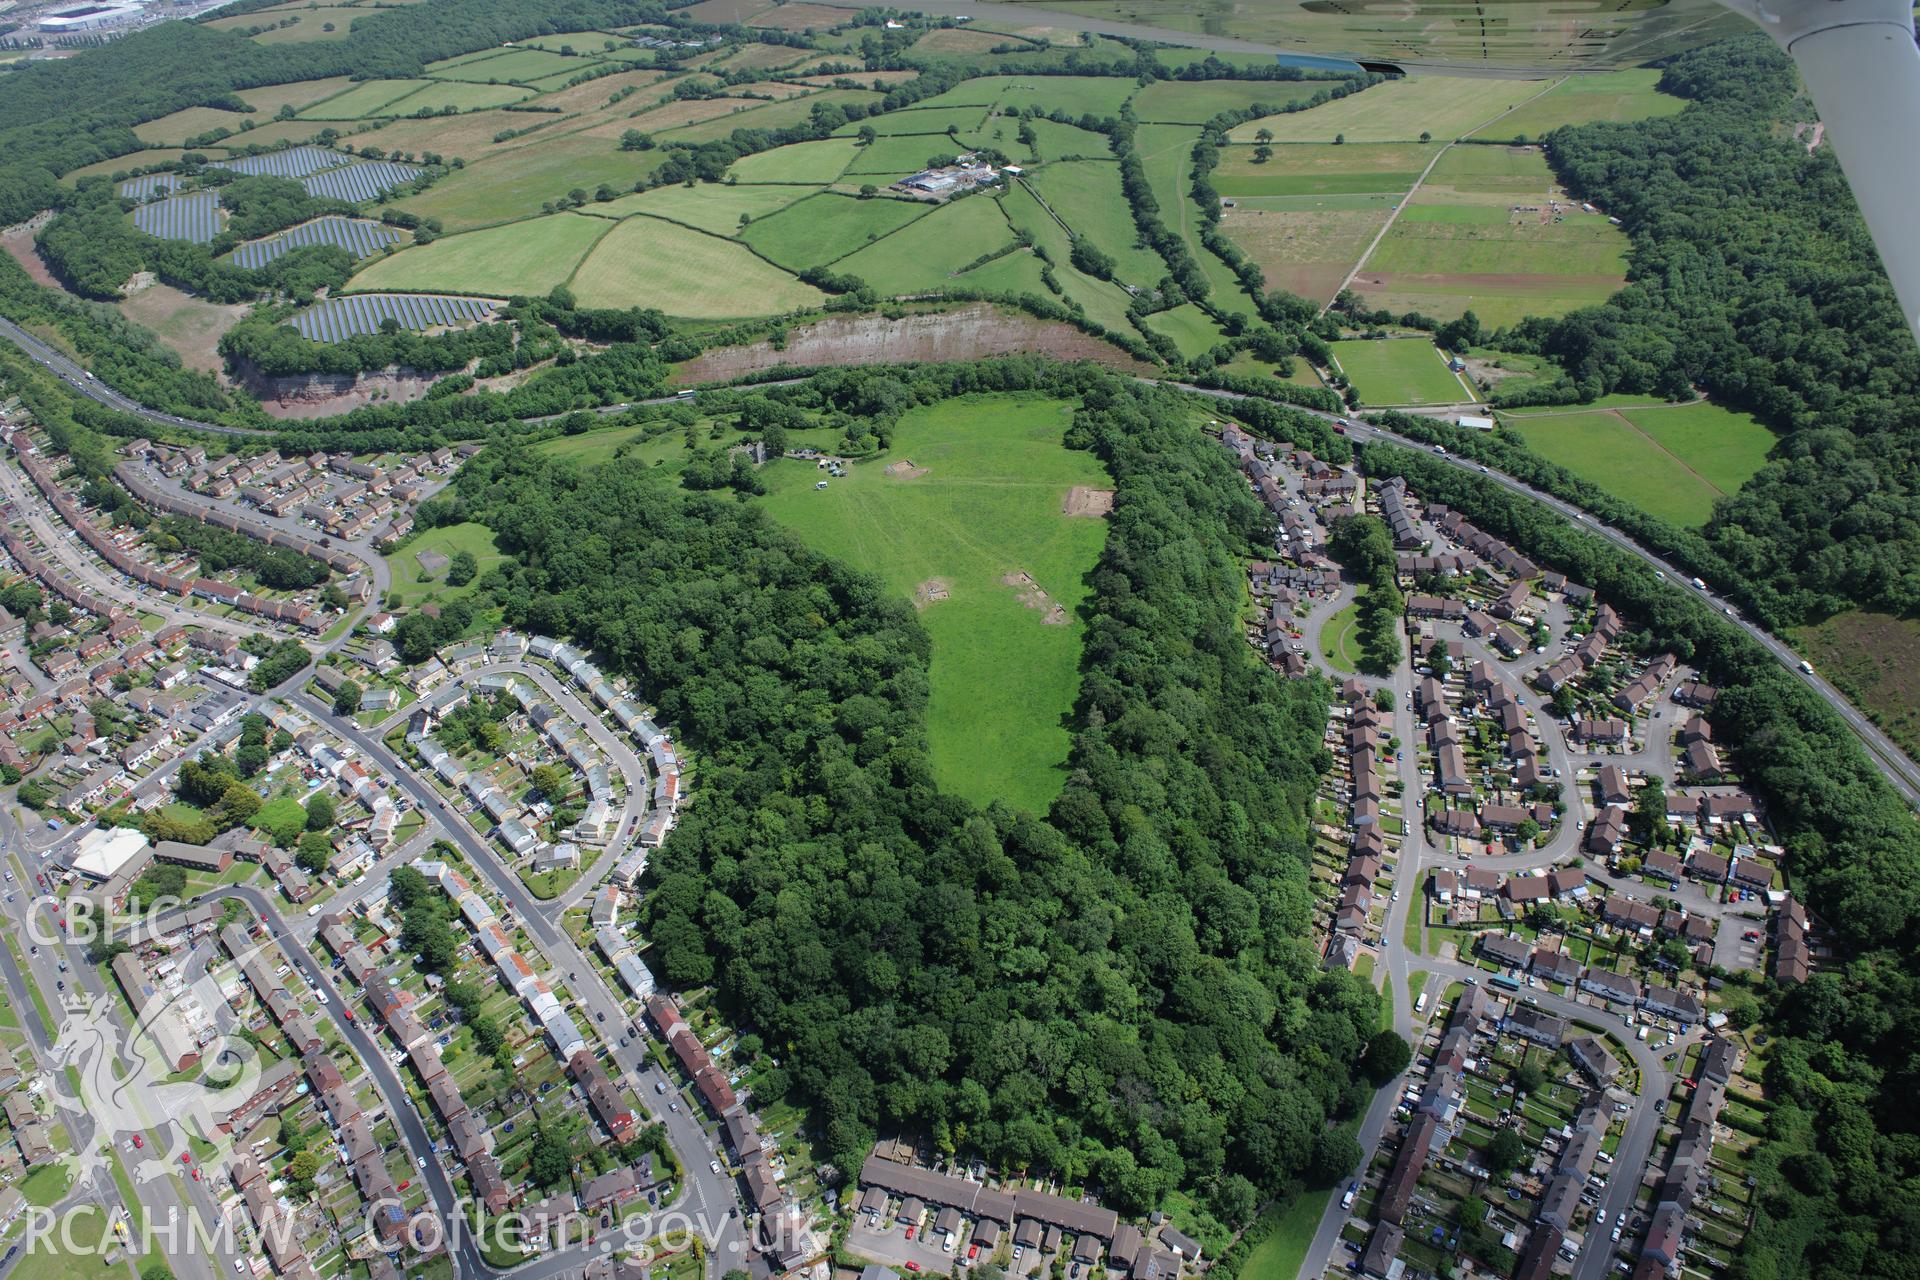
point(317, 395)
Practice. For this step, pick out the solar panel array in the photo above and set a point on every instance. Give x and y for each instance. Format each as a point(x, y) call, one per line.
point(357, 183)
point(149, 184)
point(294, 162)
point(194, 217)
point(337, 319)
point(357, 236)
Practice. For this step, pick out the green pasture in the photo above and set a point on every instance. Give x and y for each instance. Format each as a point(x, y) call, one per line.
point(827, 227)
point(1198, 101)
point(364, 99)
point(710, 206)
point(1087, 196)
point(1616, 96)
point(926, 253)
point(989, 505)
point(520, 258)
point(1314, 169)
point(1672, 461)
point(802, 162)
point(645, 262)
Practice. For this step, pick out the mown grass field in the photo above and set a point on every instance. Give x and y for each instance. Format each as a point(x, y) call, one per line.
point(1400, 371)
point(926, 253)
point(710, 206)
point(1196, 102)
point(989, 505)
point(1313, 169)
point(1618, 95)
point(644, 262)
point(448, 540)
point(362, 100)
point(823, 228)
point(514, 184)
point(1340, 641)
point(520, 258)
point(1398, 111)
point(804, 162)
point(1672, 461)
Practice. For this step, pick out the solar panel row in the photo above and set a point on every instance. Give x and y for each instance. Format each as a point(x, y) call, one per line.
point(357, 183)
point(294, 162)
point(149, 184)
point(357, 236)
point(337, 319)
point(194, 217)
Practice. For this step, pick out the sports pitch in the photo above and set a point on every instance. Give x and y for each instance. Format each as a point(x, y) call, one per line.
point(1672, 461)
point(1400, 371)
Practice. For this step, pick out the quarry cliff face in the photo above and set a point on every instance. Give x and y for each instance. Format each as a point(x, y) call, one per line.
point(316, 395)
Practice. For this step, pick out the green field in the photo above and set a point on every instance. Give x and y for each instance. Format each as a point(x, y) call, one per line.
point(1105, 302)
point(1002, 679)
point(710, 206)
point(1340, 641)
point(459, 96)
point(1077, 95)
point(364, 99)
point(521, 258)
point(819, 230)
point(1192, 330)
point(1398, 111)
point(1196, 102)
point(1673, 462)
point(1086, 194)
point(447, 540)
point(514, 184)
point(890, 159)
point(1280, 1255)
point(1313, 169)
point(759, 115)
point(521, 65)
point(644, 262)
point(1617, 95)
point(803, 162)
point(925, 254)
point(921, 119)
point(86, 1227)
point(1405, 371)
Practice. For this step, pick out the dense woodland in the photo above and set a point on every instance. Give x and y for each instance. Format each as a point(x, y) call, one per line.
point(1840, 1168)
point(1120, 991)
point(1754, 280)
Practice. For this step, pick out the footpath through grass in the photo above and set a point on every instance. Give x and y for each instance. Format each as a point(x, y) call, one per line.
point(1340, 640)
point(965, 517)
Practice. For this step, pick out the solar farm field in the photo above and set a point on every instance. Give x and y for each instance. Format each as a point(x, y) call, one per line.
point(828, 227)
point(1401, 371)
point(359, 183)
point(338, 318)
point(1618, 95)
point(358, 236)
point(148, 185)
point(194, 217)
point(1484, 233)
point(644, 262)
point(1398, 111)
point(295, 162)
point(522, 258)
